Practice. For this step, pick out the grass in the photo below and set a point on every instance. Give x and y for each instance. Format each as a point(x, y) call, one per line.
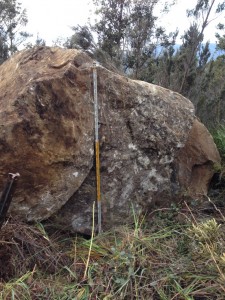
point(171, 255)
point(219, 138)
point(218, 182)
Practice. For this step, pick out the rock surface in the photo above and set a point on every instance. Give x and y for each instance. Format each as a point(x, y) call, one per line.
point(46, 129)
point(195, 161)
point(152, 147)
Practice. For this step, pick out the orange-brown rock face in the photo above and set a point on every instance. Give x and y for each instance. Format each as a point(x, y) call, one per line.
point(152, 146)
point(195, 161)
point(46, 129)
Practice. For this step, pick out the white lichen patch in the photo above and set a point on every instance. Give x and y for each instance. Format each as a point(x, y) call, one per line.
point(91, 150)
point(180, 145)
point(148, 185)
point(50, 208)
point(132, 147)
point(115, 154)
point(75, 174)
point(134, 112)
point(166, 160)
point(128, 189)
point(151, 181)
point(140, 99)
point(144, 161)
point(116, 165)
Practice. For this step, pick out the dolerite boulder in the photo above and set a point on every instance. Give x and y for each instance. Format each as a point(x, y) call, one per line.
point(153, 149)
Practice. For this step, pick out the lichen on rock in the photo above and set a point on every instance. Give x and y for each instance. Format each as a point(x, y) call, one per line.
point(152, 146)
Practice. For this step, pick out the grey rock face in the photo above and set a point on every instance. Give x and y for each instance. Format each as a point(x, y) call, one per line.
point(142, 128)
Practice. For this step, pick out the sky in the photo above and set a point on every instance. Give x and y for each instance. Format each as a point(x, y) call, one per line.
point(52, 19)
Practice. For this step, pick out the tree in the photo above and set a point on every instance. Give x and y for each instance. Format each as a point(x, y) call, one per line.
point(127, 31)
point(81, 39)
point(220, 38)
point(112, 25)
point(3, 49)
point(186, 62)
point(211, 99)
point(165, 62)
point(182, 70)
point(193, 38)
point(12, 19)
point(127, 36)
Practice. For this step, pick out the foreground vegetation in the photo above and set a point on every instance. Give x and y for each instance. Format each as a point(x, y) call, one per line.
point(174, 253)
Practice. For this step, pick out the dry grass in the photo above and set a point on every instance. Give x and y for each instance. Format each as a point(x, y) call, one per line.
point(175, 255)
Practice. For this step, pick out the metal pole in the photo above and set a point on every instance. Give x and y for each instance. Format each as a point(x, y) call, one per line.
point(7, 195)
point(97, 152)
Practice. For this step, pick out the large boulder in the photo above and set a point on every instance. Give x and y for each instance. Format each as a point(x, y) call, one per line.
point(152, 147)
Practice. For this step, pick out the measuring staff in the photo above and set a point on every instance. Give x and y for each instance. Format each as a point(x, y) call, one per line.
point(97, 153)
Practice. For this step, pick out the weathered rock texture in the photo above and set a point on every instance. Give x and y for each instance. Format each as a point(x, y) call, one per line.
point(195, 161)
point(152, 147)
point(46, 128)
